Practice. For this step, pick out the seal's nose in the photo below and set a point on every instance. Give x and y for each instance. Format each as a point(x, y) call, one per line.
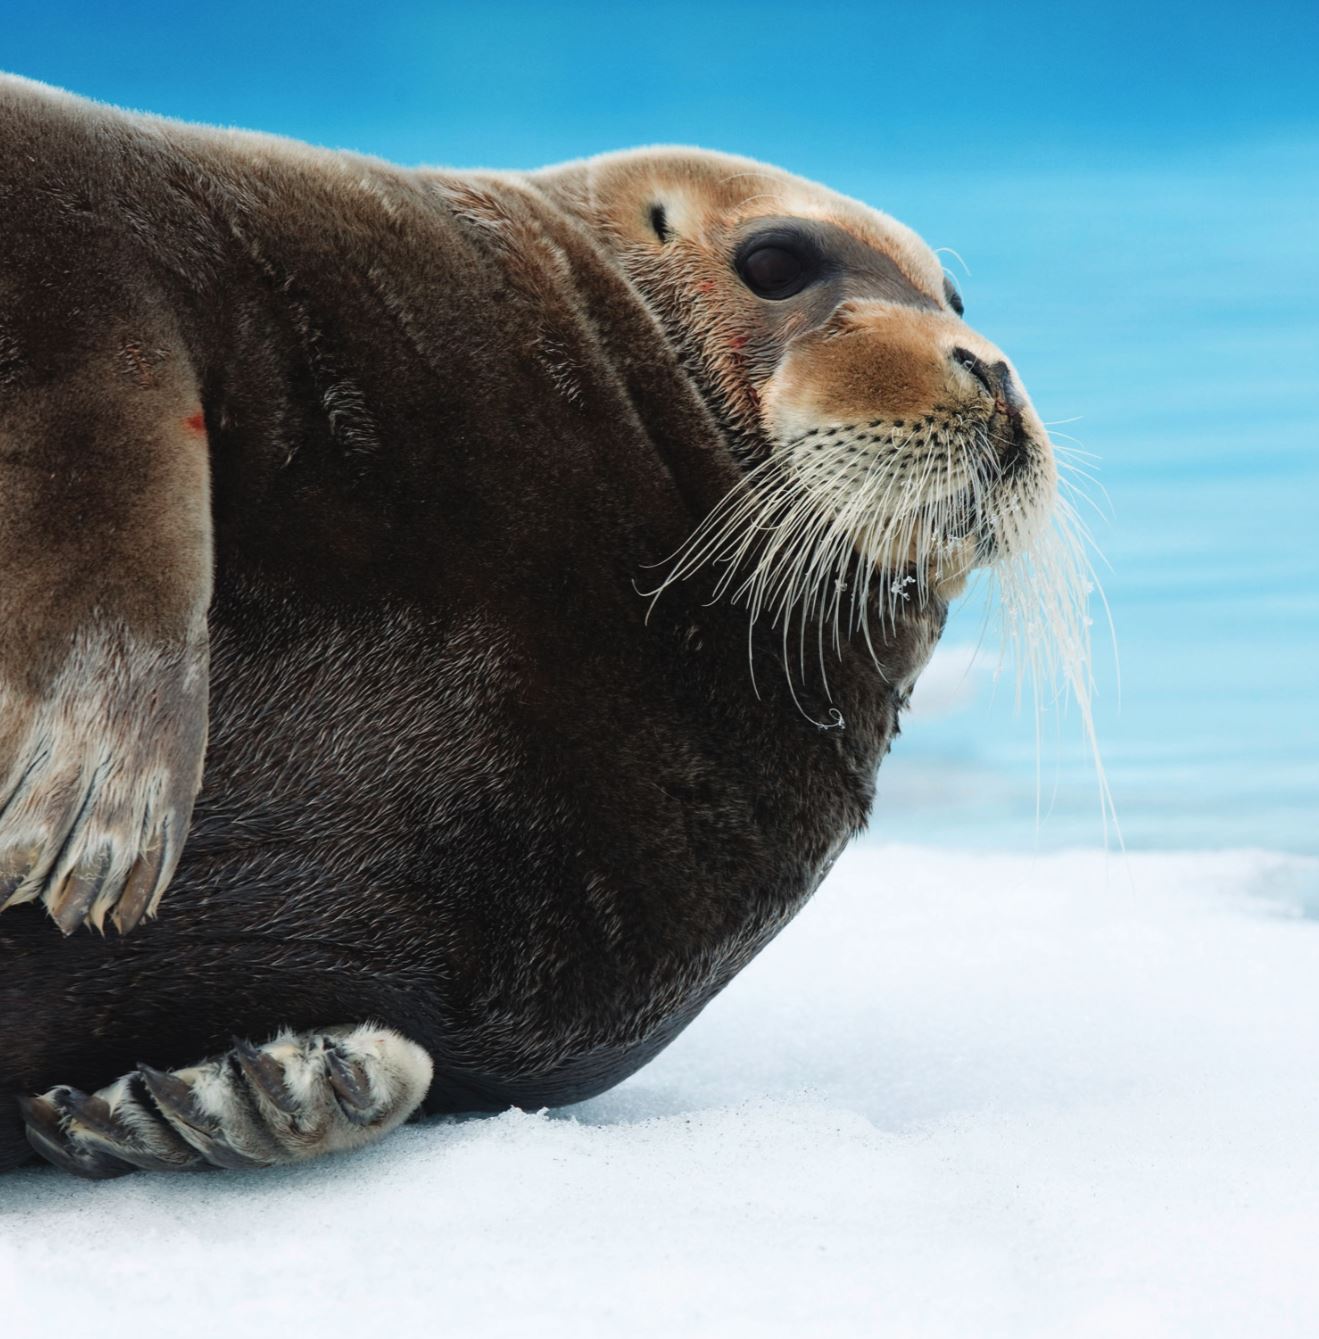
point(996, 378)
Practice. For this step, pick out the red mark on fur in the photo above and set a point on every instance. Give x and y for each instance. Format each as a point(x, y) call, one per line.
point(195, 423)
point(737, 342)
point(705, 286)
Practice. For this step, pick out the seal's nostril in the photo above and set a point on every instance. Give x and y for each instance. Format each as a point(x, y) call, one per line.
point(996, 378)
point(977, 369)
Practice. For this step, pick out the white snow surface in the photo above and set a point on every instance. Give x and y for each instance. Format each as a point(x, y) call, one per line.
point(962, 1095)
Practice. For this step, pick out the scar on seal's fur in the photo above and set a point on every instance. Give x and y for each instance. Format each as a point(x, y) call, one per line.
point(542, 592)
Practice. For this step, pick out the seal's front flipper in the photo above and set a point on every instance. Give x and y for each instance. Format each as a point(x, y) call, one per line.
point(105, 569)
point(99, 766)
point(298, 1096)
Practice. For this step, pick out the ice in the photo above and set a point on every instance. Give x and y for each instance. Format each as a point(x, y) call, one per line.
point(962, 1094)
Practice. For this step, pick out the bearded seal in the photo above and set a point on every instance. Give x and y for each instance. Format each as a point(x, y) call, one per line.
point(538, 561)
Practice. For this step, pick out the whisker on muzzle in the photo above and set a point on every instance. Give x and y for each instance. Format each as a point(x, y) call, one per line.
point(828, 540)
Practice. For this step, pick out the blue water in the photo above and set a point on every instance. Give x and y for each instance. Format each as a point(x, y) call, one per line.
point(1134, 188)
point(1172, 308)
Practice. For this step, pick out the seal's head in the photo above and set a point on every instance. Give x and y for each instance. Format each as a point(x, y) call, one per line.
point(829, 338)
point(888, 449)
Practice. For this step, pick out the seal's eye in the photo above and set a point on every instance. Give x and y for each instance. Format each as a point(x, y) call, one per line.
point(953, 296)
point(774, 271)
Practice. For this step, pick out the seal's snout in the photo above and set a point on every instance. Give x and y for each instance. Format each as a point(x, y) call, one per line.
point(997, 380)
point(870, 416)
point(1007, 430)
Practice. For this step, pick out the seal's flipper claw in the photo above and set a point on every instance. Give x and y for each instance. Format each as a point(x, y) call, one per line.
point(10, 886)
point(46, 1120)
point(171, 1095)
point(92, 1114)
point(120, 1122)
point(351, 1085)
point(101, 773)
point(177, 1100)
point(71, 903)
point(299, 1095)
point(265, 1076)
point(104, 658)
point(45, 1131)
point(40, 1114)
point(139, 890)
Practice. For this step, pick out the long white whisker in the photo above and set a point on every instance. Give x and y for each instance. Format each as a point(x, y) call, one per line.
point(826, 537)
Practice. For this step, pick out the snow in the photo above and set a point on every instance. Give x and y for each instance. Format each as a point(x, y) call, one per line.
point(961, 1095)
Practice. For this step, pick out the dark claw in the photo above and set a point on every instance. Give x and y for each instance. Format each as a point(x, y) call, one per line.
point(99, 1124)
point(92, 1113)
point(55, 896)
point(40, 1114)
point(265, 1074)
point(174, 1099)
point(9, 885)
point(170, 853)
point(70, 905)
point(45, 1133)
point(138, 890)
point(107, 895)
point(351, 1086)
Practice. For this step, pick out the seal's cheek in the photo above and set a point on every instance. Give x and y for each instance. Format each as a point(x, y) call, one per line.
point(871, 361)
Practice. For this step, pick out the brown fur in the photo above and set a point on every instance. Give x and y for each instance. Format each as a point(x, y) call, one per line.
point(461, 778)
point(869, 357)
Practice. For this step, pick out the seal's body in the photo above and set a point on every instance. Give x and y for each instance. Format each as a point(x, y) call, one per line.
point(395, 452)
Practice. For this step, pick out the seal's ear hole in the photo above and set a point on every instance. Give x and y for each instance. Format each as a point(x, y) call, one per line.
point(953, 296)
point(659, 222)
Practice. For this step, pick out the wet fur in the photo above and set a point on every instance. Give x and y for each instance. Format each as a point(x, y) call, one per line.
point(461, 779)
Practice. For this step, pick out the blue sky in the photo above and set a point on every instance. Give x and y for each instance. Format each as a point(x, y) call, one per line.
point(1135, 191)
point(811, 85)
